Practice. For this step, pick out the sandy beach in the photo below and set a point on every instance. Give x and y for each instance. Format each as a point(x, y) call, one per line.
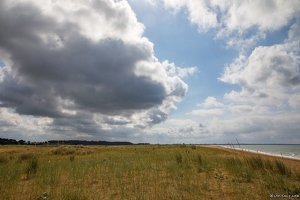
point(295, 162)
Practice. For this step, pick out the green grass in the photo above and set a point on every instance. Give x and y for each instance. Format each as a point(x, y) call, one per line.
point(32, 166)
point(282, 169)
point(141, 172)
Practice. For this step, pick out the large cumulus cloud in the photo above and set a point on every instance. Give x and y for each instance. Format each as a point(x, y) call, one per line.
point(85, 64)
point(268, 76)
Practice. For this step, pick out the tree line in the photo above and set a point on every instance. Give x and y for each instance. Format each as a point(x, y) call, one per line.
point(6, 141)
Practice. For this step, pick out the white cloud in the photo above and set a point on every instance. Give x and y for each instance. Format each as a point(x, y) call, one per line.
point(266, 15)
point(207, 112)
point(268, 75)
point(246, 120)
point(199, 12)
point(236, 20)
point(258, 124)
point(8, 119)
point(248, 123)
point(259, 128)
point(294, 100)
point(19, 127)
point(173, 70)
point(249, 110)
point(211, 102)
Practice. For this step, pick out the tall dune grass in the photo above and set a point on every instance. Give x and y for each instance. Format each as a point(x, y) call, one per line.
point(141, 172)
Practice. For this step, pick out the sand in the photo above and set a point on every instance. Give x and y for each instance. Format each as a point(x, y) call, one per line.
point(293, 163)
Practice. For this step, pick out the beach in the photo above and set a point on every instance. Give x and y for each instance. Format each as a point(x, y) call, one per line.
point(295, 162)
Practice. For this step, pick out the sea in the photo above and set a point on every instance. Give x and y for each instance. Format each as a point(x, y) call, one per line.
point(281, 150)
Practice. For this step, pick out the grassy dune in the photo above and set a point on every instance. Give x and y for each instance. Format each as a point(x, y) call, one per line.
point(142, 172)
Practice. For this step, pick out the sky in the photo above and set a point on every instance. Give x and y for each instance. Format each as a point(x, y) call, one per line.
point(156, 71)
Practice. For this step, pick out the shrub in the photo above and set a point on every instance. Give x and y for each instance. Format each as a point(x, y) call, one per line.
point(32, 166)
point(62, 150)
point(58, 151)
point(199, 159)
point(72, 158)
point(26, 156)
point(178, 158)
point(70, 151)
point(193, 147)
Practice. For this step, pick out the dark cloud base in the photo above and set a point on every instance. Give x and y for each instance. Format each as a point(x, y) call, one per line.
point(57, 71)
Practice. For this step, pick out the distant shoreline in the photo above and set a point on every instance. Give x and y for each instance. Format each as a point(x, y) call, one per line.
point(235, 144)
point(254, 152)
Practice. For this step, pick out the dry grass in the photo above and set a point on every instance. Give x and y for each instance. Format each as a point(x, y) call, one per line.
point(142, 172)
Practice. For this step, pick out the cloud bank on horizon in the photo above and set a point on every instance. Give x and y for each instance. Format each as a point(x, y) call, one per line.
point(86, 70)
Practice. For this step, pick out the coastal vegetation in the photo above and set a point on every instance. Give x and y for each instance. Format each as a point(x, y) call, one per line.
point(142, 172)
